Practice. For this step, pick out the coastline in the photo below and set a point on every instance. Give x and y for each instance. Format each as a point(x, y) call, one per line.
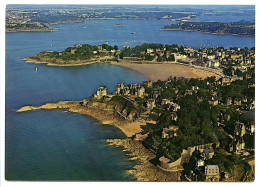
point(30, 30)
point(144, 170)
point(153, 71)
point(222, 33)
point(30, 60)
point(104, 116)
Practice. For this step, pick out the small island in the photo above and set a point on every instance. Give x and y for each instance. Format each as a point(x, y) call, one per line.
point(243, 28)
point(27, 27)
point(120, 25)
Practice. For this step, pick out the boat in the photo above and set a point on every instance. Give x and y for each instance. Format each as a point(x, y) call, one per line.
point(36, 68)
point(133, 32)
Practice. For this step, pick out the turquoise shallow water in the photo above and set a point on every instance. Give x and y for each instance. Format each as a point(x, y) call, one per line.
point(56, 145)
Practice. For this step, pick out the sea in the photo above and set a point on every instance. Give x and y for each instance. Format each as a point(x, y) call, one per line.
point(55, 145)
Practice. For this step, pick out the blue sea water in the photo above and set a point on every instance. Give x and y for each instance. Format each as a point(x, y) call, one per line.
point(57, 145)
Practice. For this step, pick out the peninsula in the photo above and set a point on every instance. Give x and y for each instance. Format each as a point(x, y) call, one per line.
point(243, 28)
point(155, 61)
point(27, 27)
point(179, 129)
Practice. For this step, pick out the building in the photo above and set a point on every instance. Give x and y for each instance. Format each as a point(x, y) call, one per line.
point(155, 94)
point(149, 51)
point(225, 81)
point(252, 106)
point(140, 92)
point(188, 92)
point(252, 128)
point(194, 88)
point(240, 129)
point(72, 51)
point(202, 55)
point(212, 173)
point(60, 53)
point(215, 64)
point(229, 101)
point(78, 45)
point(174, 116)
point(213, 102)
point(174, 106)
point(150, 104)
point(200, 163)
point(148, 83)
point(119, 87)
point(237, 146)
point(237, 101)
point(179, 56)
point(170, 131)
point(166, 101)
point(244, 99)
point(101, 91)
point(208, 153)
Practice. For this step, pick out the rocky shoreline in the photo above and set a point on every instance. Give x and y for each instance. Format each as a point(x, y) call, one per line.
point(78, 63)
point(129, 128)
point(144, 170)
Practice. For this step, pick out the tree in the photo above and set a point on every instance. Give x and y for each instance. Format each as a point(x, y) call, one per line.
point(171, 58)
point(115, 47)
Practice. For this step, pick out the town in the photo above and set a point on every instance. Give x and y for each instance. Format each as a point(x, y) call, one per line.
point(200, 130)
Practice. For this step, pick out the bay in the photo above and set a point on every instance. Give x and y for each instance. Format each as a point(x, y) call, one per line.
point(56, 145)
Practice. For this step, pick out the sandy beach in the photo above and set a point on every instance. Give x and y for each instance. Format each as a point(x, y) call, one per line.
point(153, 71)
point(164, 71)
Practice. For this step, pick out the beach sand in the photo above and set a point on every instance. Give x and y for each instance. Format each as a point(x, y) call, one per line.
point(164, 71)
point(153, 71)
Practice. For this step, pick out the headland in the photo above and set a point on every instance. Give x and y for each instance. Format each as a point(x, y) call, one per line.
point(155, 61)
point(165, 129)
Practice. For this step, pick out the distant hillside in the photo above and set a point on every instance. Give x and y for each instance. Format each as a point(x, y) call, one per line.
point(246, 28)
point(27, 27)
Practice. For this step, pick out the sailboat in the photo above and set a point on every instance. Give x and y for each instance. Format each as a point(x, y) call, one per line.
point(36, 68)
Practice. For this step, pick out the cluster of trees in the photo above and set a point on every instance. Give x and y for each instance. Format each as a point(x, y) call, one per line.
point(141, 51)
point(160, 51)
point(233, 164)
point(238, 89)
point(121, 104)
point(81, 52)
point(197, 120)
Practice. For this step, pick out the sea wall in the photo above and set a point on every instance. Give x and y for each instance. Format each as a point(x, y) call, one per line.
point(185, 156)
